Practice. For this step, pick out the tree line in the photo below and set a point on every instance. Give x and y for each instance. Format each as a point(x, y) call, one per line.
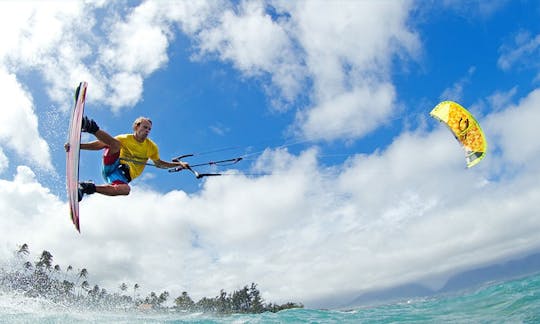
point(71, 288)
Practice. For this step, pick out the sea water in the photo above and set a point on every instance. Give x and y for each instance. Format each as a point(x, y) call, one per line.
point(513, 301)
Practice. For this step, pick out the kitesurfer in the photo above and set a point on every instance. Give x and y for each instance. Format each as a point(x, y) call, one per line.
point(124, 157)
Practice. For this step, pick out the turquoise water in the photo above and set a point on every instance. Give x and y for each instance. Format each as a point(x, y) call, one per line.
point(515, 301)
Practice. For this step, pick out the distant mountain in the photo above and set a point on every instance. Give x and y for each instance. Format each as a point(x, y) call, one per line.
point(508, 270)
point(391, 294)
point(468, 279)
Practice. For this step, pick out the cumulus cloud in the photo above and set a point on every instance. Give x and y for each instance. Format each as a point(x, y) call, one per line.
point(501, 99)
point(320, 43)
point(21, 217)
point(57, 40)
point(350, 114)
point(343, 65)
point(455, 91)
point(139, 43)
point(300, 41)
point(296, 42)
point(257, 45)
point(521, 52)
point(513, 130)
point(19, 131)
point(346, 61)
point(4, 161)
point(52, 38)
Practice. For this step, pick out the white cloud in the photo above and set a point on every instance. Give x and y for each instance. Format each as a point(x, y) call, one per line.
point(522, 52)
point(513, 131)
point(125, 90)
point(501, 99)
point(21, 217)
point(138, 44)
point(52, 38)
point(308, 39)
point(19, 131)
point(4, 161)
point(250, 38)
point(257, 45)
point(36, 27)
point(338, 49)
point(57, 39)
point(455, 92)
point(319, 41)
point(346, 61)
point(193, 16)
point(350, 114)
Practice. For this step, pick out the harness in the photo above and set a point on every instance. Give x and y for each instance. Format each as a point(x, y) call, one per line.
point(124, 169)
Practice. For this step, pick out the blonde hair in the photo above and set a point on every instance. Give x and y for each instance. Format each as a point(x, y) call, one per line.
point(139, 120)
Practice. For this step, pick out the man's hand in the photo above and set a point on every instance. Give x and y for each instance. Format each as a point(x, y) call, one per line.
point(182, 164)
point(168, 165)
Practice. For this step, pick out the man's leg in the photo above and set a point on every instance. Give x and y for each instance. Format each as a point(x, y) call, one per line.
point(117, 183)
point(115, 189)
point(118, 189)
point(111, 154)
point(86, 188)
point(90, 126)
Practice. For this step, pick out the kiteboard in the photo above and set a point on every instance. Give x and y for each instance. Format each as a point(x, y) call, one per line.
point(73, 152)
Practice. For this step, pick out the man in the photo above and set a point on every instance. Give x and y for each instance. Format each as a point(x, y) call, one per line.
point(124, 157)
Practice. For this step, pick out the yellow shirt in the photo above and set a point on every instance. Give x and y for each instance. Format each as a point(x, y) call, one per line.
point(136, 154)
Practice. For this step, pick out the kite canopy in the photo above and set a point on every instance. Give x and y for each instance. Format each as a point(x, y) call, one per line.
point(465, 129)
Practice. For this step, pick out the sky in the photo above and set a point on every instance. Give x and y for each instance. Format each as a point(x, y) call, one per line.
point(347, 184)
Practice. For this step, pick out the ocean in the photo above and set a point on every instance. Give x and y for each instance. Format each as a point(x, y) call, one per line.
point(513, 301)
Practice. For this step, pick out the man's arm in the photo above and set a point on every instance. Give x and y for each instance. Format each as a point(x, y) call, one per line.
point(93, 146)
point(167, 165)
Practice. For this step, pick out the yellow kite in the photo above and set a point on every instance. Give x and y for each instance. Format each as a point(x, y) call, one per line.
point(465, 129)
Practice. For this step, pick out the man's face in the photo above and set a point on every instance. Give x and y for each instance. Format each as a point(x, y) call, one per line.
point(142, 130)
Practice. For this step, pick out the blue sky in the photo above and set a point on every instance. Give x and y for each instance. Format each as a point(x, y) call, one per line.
point(375, 194)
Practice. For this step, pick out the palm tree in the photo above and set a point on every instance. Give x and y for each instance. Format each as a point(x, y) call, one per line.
point(85, 285)
point(135, 288)
point(56, 270)
point(256, 299)
point(123, 287)
point(28, 265)
point(184, 302)
point(67, 286)
point(163, 297)
point(83, 273)
point(222, 301)
point(241, 301)
point(45, 259)
point(68, 269)
point(23, 249)
point(94, 293)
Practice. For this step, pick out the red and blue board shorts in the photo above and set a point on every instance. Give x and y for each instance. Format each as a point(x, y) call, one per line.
point(113, 171)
